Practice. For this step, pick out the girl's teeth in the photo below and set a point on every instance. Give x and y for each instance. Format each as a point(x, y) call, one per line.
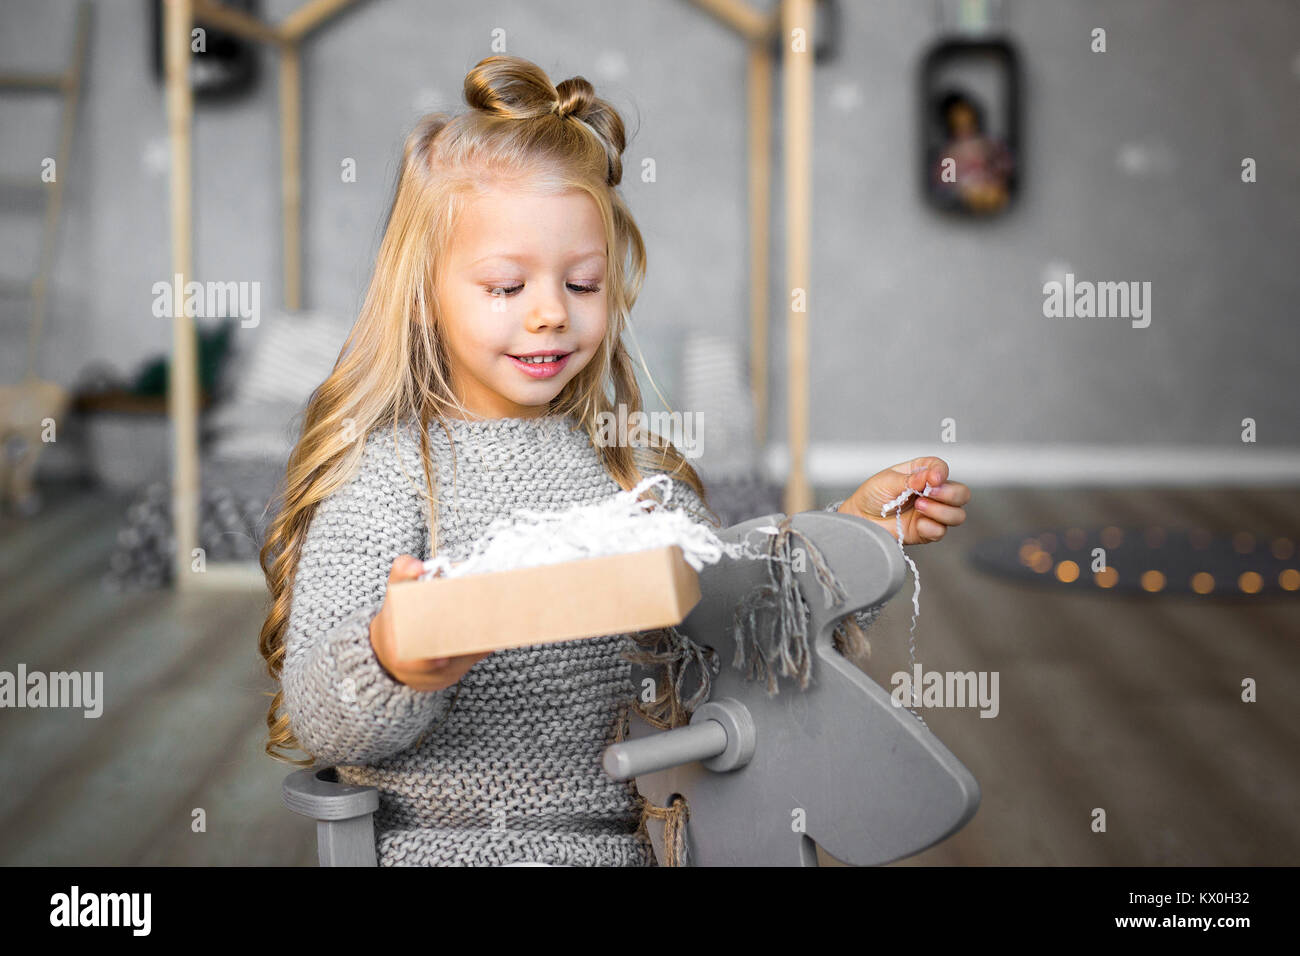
point(539, 360)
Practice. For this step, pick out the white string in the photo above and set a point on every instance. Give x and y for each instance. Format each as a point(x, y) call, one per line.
point(916, 591)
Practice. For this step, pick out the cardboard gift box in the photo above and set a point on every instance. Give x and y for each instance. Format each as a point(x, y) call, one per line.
point(615, 594)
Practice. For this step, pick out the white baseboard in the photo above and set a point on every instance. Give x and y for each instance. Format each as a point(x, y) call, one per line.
point(851, 463)
point(236, 576)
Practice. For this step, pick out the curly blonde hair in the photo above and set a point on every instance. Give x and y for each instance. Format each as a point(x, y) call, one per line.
point(519, 128)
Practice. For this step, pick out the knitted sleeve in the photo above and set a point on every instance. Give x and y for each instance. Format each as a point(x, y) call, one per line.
point(342, 705)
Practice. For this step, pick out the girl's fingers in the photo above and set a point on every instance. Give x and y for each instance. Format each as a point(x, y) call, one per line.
point(435, 665)
point(951, 493)
point(405, 567)
point(928, 530)
point(923, 471)
point(940, 513)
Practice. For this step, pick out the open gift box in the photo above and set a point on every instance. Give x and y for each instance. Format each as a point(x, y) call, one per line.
point(544, 604)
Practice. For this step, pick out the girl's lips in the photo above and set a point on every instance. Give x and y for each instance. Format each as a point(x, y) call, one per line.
point(541, 369)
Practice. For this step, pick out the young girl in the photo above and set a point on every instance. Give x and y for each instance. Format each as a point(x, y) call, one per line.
point(490, 341)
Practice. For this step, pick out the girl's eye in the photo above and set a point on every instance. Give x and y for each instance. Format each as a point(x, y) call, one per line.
point(511, 290)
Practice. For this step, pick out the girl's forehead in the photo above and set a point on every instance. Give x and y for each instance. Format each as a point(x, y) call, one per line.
point(526, 194)
point(524, 226)
point(523, 257)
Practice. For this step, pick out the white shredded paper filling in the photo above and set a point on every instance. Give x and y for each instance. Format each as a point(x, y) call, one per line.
point(618, 525)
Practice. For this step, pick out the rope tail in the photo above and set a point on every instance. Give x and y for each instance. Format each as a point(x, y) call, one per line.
point(674, 817)
point(676, 656)
point(770, 627)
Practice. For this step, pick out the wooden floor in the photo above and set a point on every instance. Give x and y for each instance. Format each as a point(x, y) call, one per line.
point(183, 720)
point(1129, 703)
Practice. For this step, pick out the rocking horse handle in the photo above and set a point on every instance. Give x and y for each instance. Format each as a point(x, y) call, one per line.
point(720, 734)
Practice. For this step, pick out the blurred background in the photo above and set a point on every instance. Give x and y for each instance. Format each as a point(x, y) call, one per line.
point(1148, 143)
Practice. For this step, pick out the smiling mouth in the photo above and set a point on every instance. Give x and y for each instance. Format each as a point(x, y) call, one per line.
point(542, 365)
point(541, 359)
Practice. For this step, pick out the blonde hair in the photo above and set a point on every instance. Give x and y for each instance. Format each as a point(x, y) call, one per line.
point(519, 129)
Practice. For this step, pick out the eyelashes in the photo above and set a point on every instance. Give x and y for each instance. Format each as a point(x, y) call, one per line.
point(505, 291)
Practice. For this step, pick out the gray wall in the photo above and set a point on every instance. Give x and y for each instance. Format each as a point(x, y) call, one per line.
point(1131, 158)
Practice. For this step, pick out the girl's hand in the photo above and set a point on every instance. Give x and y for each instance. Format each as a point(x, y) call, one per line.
point(925, 518)
point(423, 673)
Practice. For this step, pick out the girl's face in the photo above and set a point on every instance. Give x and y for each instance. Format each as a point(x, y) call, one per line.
point(524, 279)
point(961, 119)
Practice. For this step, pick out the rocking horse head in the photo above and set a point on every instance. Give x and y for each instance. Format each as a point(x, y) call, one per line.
point(795, 747)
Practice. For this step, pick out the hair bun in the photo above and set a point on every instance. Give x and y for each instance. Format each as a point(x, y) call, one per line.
point(574, 96)
point(515, 88)
point(509, 86)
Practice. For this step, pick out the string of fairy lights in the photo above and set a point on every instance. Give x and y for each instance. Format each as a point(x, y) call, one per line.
point(1066, 558)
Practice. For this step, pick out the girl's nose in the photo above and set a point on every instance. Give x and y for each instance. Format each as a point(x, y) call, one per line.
point(550, 314)
point(557, 321)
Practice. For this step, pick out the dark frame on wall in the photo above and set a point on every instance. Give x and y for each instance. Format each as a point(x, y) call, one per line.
point(940, 59)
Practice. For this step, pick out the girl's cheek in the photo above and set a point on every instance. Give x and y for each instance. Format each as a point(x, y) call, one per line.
point(599, 326)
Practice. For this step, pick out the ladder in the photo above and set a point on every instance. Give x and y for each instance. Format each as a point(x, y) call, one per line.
point(66, 84)
point(27, 407)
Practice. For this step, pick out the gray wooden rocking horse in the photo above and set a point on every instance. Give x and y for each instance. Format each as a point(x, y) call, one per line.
point(765, 778)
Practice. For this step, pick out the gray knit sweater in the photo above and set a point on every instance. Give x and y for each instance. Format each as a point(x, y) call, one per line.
point(504, 766)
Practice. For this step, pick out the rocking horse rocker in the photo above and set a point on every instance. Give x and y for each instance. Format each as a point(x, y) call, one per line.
point(757, 778)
